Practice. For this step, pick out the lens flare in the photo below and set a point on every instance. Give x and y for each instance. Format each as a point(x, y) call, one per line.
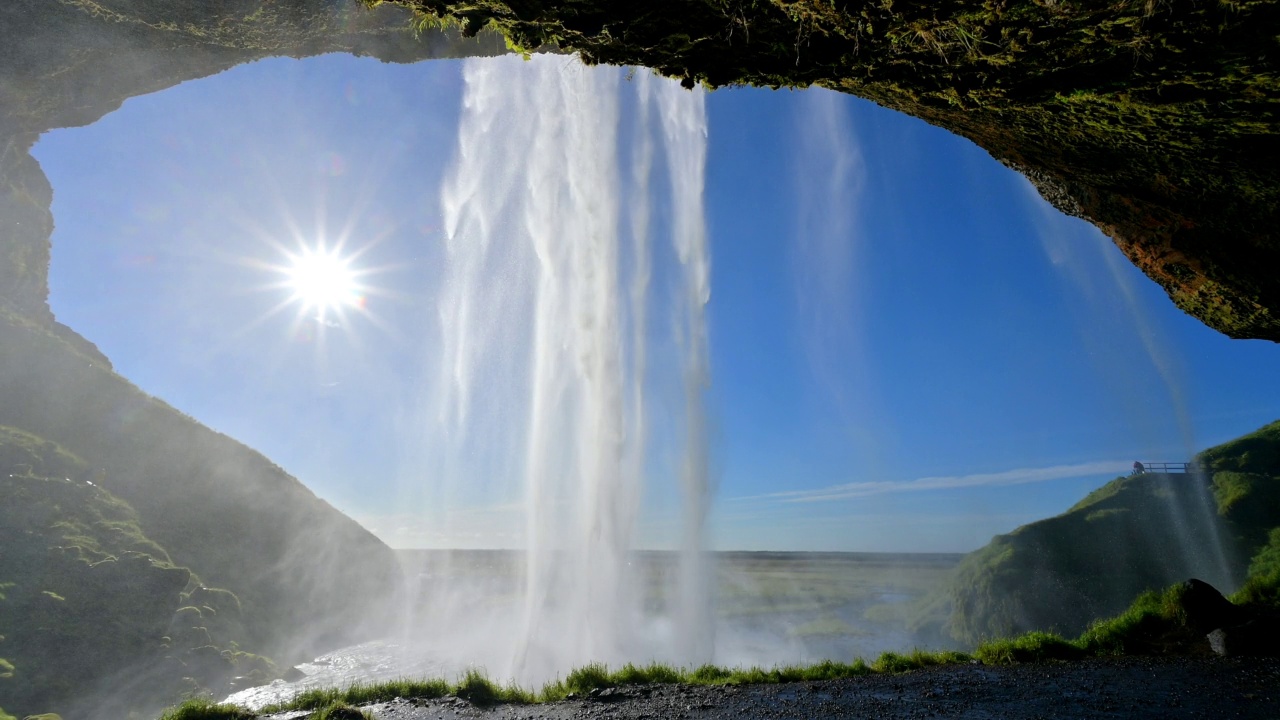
point(323, 281)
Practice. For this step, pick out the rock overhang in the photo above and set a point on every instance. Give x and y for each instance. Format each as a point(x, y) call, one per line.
point(1155, 123)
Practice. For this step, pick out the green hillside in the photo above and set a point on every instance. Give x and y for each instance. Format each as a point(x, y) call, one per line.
point(91, 603)
point(1132, 535)
point(116, 508)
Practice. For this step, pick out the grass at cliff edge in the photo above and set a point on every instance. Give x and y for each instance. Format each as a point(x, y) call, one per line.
point(1134, 534)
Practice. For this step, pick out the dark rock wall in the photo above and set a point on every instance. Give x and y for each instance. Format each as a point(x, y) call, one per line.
point(25, 226)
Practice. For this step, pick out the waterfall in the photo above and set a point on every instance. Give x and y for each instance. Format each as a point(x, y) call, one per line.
point(547, 326)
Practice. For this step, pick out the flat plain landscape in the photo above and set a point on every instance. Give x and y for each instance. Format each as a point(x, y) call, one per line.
point(769, 607)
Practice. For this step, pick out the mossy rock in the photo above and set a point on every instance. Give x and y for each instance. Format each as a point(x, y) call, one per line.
point(88, 595)
point(26, 454)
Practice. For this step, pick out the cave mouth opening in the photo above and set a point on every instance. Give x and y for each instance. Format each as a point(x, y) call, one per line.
point(904, 335)
point(843, 227)
point(839, 231)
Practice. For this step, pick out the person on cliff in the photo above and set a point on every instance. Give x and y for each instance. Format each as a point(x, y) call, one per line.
point(1138, 468)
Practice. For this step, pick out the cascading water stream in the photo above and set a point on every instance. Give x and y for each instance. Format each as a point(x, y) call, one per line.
point(548, 295)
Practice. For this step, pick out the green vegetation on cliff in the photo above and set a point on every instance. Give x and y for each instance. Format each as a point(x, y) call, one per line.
point(1133, 535)
point(1263, 584)
point(91, 602)
point(107, 497)
point(1246, 486)
point(216, 506)
point(1059, 574)
point(1248, 492)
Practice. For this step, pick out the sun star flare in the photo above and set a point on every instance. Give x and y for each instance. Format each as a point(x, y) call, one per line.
point(323, 281)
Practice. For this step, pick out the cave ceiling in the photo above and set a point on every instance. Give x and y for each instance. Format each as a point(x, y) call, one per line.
point(1156, 122)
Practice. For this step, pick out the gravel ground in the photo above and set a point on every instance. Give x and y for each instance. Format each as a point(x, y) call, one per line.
point(1120, 688)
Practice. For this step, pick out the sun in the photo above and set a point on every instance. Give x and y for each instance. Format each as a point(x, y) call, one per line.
point(322, 281)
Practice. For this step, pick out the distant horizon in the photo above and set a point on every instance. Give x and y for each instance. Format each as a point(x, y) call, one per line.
point(710, 550)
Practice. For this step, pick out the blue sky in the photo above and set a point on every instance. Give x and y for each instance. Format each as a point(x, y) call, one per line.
point(910, 350)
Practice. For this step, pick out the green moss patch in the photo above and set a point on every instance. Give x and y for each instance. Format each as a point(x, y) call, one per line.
point(88, 594)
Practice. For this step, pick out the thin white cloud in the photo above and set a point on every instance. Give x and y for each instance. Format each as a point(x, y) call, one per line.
point(1018, 476)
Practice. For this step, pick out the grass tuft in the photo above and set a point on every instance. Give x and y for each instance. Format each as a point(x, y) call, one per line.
point(365, 693)
point(1032, 647)
point(1154, 616)
point(892, 662)
point(709, 675)
point(589, 677)
point(476, 687)
point(647, 675)
point(205, 709)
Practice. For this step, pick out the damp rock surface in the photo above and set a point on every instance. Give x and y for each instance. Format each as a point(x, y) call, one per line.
point(1112, 688)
